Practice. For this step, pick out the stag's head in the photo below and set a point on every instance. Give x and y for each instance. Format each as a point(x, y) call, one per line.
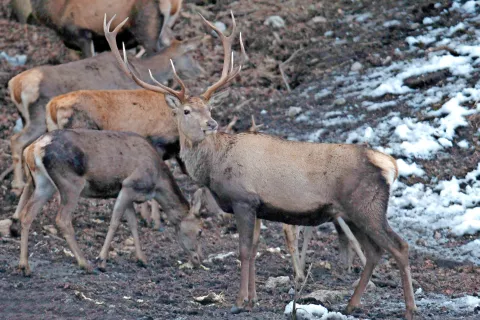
point(193, 113)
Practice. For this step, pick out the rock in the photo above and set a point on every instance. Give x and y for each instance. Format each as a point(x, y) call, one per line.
point(274, 282)
point(17, 60)
point(427, 79)
point(319, 19)
point(129, 242)
point(325, 296)
point(50, 229)
point(340, 101)
point(220, 25)
point(414, 26)
point(210, 298)
point(293, 111)
point(356, 66)
point(5, 227)
point(275, 21)
point(370, 285)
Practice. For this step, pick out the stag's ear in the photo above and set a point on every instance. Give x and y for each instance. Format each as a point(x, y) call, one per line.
point(173, 102)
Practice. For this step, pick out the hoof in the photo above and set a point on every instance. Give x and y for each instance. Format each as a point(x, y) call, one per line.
point(409, 314)
point(142, 263)
point(86, 267)
point(236, 310)
point(25, 270)
point(352, 308)
point(101, 265)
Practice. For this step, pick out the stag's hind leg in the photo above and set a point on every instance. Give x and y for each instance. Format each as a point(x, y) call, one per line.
point(369, 216)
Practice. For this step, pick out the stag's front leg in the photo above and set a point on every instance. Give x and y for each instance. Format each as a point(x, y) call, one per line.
point(246, 220)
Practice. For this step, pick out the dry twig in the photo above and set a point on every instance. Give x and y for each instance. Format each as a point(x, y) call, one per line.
point(6, 173)
point(283, 72)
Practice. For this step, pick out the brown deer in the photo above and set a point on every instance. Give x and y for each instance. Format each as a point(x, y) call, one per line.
point(79, 22)
point(101, 164)
point(31, 90)
point(257, 176)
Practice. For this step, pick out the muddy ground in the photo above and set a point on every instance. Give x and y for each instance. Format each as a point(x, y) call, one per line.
point(59, 290)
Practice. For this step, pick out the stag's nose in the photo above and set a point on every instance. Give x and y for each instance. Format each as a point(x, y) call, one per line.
point(212, 125)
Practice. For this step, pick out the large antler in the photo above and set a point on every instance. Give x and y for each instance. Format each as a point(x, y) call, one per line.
point(228, 73)
point(112, 42)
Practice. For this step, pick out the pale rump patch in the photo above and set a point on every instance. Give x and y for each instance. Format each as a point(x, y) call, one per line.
point(25, 89)
point(385, 162)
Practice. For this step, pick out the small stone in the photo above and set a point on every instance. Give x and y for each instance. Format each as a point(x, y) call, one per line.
point(220, 25)
point(340, 101)
point(274, 282)
point(129, 242)
point(370, 286)
point(414, 26)
point(325, 296)
point(50, 229)
point(5, 227)
point(319, 19)
point(275, 21)
point(328, 33)
point(293, 111)
point(356, 66)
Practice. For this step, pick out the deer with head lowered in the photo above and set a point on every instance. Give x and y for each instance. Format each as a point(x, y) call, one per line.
point(101, 164)
point(258, 176)
point(78, 24)
point(31, 90)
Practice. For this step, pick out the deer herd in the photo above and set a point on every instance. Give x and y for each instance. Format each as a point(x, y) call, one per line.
point(94, 128)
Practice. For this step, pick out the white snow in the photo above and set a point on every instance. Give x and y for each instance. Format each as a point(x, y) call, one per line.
point(405, 169)
point(314, 312)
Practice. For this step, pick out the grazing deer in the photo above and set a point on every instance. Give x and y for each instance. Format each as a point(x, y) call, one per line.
point(79, 23)
point(101, 164)
point(31, 90)
point(257, 176)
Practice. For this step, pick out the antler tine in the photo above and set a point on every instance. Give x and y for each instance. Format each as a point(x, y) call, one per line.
point(228, 72)
point(232, 75)
point(112, 42)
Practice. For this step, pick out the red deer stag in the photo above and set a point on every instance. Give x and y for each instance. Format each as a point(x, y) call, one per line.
point(101, 164)
point(31, 90)
point(79, 22)
point(257, 176)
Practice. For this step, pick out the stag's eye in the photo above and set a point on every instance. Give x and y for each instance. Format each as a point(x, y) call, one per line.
point(186, 111)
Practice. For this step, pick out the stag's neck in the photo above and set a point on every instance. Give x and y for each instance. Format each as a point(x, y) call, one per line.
point(200, 158)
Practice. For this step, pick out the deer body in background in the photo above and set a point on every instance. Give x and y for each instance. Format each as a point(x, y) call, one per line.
point(31, 90)
point(101, 164)
point(79, 22)
point(257, 176)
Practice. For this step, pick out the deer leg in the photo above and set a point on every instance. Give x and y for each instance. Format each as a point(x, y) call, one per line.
point(352, 240)
point(26, 195)
point(252, 290)
point(371, 219)
point(245, 216)
point(122, 202)
point(374, 253)
point(20, 141)
point(132, 224)
point(146, 213)
point(43, 192)
point(69, 195)
point(307, 236)
point(155, 214)
point(289, 232)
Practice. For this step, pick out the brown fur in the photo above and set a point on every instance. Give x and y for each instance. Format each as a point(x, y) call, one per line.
point(80, 21)
point(41, 84)
point(140, 111)
point(101, 164)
